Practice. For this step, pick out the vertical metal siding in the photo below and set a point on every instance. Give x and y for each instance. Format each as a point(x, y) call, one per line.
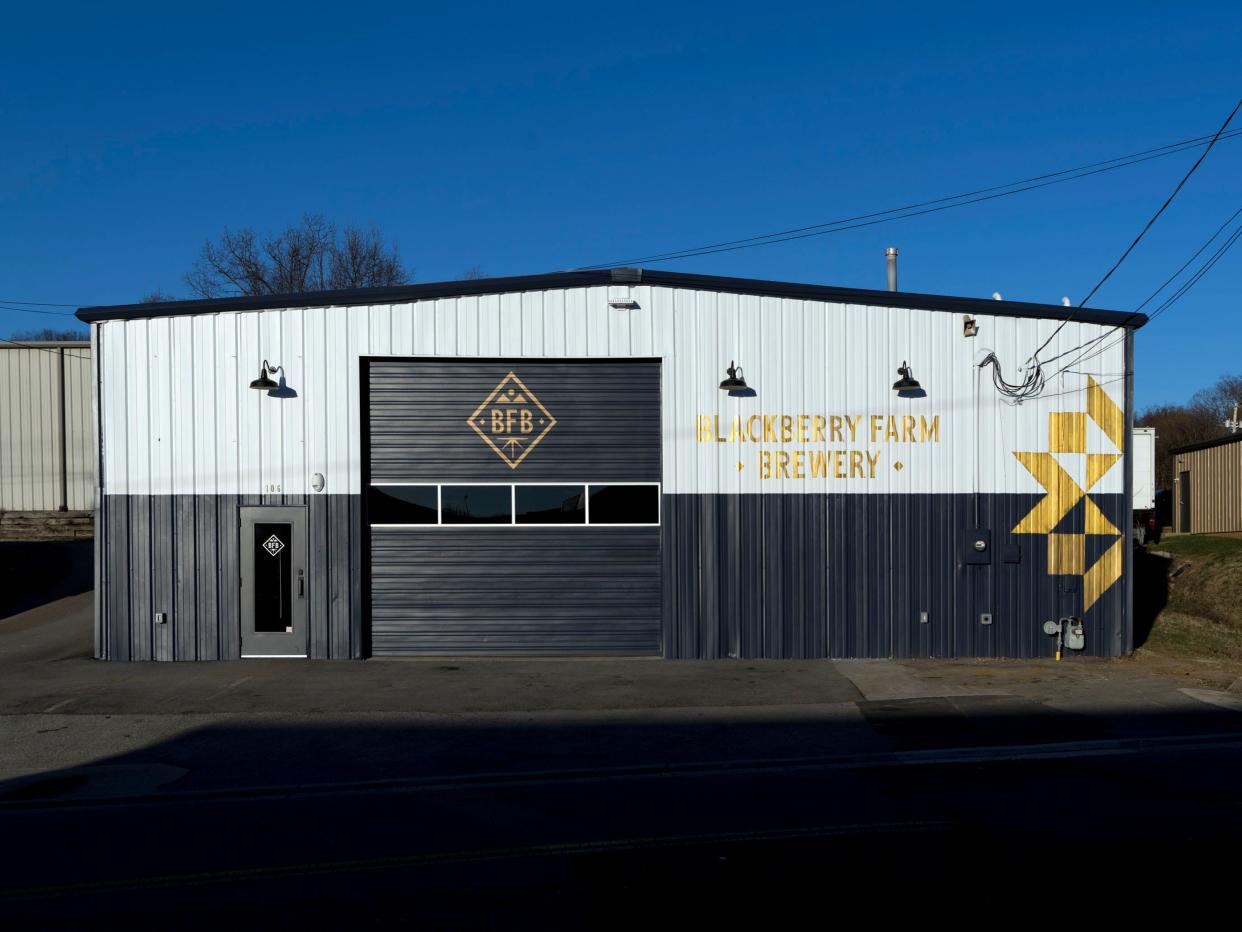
point(1215, 489)
point(179, 554)
point(30, 428)
point(210, 436)
point(800, 356)
point(819, 576)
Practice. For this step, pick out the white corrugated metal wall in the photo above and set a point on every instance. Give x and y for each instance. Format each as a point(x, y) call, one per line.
point(30, 427)
point(178, 416)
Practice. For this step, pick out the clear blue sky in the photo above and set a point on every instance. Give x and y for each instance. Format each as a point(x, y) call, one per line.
point(533, 137)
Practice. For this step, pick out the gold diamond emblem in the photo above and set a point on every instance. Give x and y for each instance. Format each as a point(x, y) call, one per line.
point(512, 421)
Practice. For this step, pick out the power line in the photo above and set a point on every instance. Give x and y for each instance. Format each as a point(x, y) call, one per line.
point(1186, 286)
point(1146, 227)
point(915, 210)
point(36, 303)
point(32, 310)
point(1143, 232)
point(1084, 346)
point(45, 349)
point(1185, 264)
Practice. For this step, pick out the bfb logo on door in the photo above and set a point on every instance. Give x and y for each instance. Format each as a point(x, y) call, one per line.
point(512, 421)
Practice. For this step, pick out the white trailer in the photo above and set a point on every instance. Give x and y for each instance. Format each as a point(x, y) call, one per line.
point(1143, 460)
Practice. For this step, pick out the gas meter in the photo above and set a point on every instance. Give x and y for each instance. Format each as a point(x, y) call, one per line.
point(1075, 638)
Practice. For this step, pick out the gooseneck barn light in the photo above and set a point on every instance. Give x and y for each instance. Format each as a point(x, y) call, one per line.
point(907, 382)
point(734, 382)
point(264, 382)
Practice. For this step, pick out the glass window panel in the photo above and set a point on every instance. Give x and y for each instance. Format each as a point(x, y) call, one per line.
point(273, 604)
point(476, 504)
point(625, 504)
point(551, 504)
point(402, 504)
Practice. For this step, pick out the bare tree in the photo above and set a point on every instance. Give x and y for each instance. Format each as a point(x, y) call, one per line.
point(1218, 400)
point(360, 260)
point(156, 297)
point(1176, 426)
point(48, 335)
point(310, 256)
point(473, 273)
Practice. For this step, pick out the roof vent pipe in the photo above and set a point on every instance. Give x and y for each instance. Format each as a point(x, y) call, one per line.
point(890, 256)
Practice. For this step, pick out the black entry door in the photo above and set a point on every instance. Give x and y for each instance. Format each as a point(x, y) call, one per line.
point(273, 590)
point(1183, 491)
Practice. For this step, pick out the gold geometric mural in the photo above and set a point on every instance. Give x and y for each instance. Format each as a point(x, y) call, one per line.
point(1067, 552)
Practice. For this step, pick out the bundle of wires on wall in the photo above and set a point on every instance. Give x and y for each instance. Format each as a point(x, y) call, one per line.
point(1017, 392)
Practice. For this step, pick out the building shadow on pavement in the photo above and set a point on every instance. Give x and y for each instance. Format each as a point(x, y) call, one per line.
point(574, 825)
point(34, 573)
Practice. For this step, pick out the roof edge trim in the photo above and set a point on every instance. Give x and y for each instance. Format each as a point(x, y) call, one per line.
point(1208, 444)
point(402, 294)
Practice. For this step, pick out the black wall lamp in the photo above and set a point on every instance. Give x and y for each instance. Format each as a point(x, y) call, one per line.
point(264, 382)
point(907, 382)
point(734, 382)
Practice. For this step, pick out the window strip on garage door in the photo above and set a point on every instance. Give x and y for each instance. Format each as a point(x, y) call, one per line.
point(424, 505)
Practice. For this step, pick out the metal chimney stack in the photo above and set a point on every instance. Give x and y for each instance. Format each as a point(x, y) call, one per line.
point(890, 256)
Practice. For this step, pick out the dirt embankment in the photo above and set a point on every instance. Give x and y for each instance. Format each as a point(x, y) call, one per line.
point(1188, 608)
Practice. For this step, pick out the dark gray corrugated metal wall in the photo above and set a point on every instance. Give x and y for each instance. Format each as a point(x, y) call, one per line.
point(179, 554)
point(541, 590)
point(848, 575)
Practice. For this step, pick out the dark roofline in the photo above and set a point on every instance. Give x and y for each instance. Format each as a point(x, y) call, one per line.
point(750, 286)
point(1206, 444)
point(41, 344)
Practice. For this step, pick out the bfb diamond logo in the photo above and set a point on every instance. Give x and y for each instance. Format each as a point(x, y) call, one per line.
point(273, 545)
point(512, 421)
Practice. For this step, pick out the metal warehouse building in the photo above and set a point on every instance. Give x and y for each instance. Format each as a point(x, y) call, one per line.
point(47, 441)
point(560, 464)
point(1207, 486)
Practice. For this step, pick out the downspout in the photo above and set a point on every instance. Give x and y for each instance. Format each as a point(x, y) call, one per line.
point(64, 452)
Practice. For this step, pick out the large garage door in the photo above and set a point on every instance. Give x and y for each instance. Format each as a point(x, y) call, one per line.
point(514, 506)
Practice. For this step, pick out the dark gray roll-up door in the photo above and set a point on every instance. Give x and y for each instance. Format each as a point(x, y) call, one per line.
point(589, 590)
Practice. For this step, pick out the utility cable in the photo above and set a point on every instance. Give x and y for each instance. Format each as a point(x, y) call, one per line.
point(32, 310)
point(1083, 348)
point(1143, 232)
point(45, 349)
point(36, 303)
point(1177, 295)
point(915, 210)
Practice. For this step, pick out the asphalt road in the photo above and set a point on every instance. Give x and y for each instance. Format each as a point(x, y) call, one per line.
point(576, 793)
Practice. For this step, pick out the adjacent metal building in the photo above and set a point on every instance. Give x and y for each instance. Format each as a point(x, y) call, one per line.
point(548, 465)
point(47, 427)
point(1207, 486)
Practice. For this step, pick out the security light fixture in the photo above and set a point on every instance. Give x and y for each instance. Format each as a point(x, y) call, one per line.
point(907, 381)
point(264, 382)
point(734, 382)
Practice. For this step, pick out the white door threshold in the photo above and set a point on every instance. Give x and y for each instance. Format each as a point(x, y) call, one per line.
point(273, 656)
